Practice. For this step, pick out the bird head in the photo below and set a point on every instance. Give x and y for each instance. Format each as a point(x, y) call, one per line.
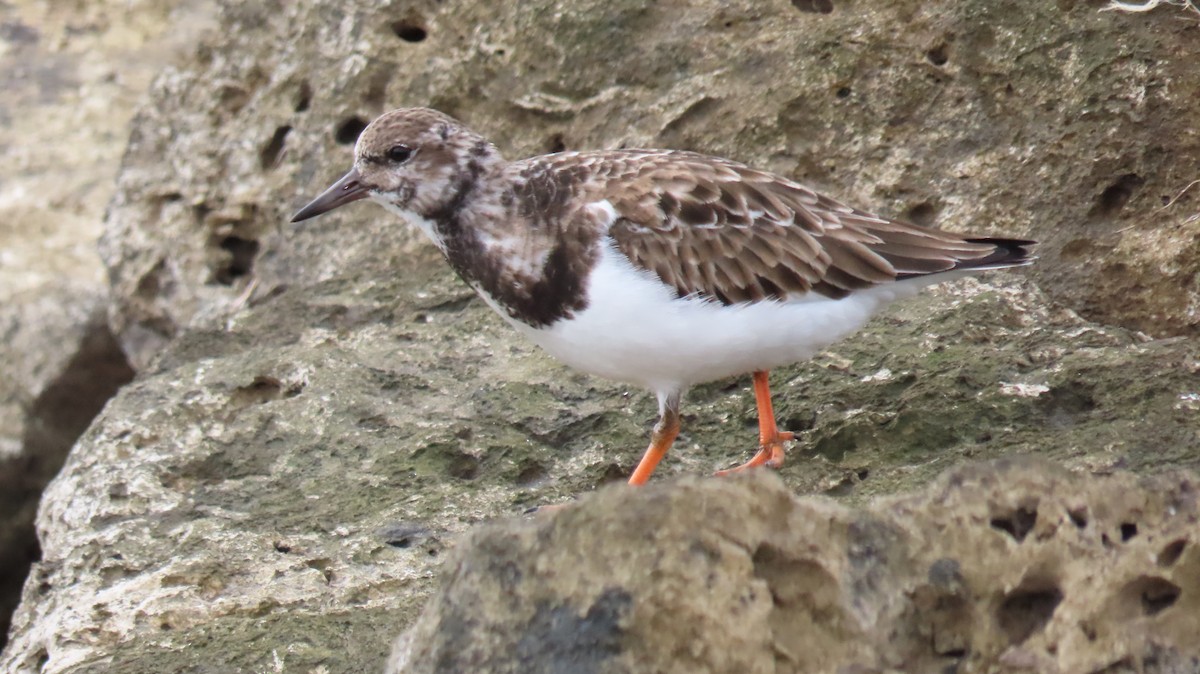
point(413, 160)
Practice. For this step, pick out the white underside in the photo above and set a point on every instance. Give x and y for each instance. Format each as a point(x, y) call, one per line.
point(636, 330)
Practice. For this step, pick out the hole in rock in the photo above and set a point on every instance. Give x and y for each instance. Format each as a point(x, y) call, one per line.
point(938, 55)
point(1115, 196)
point(152, 282)
point(261, 390)
point(1027, 609)
point(945, 574)
point(613, 473)
point(813, 6)
point(233, 97)
point(922, 214)
point(409, 31)
point(1171, 552)
point(303, 97)
point(843, 92)
point(348, 131)
point(463, 467)
point(1079, 517)
point(240, 260)
point(325, 566)
point(1159, 596)
point(556, 143)
point(54, 420)
point(798, 421)
point(269, 157)
point(531, 473)
point(1064, 404)
point(403, 535)
point(1128, 531)
point(1152, 594)
point(1018, 524)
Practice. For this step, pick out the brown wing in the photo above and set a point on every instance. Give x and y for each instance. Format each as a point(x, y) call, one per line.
point(715, 228)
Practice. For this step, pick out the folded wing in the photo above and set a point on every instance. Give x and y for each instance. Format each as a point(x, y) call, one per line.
point(718, 229)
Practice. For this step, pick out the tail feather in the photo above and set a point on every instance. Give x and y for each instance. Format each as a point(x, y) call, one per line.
point(1008, 253)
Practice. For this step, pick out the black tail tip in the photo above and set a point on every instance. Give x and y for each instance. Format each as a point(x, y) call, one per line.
point(1008, 253)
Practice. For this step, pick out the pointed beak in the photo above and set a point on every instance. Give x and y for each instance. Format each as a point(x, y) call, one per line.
point(342, 192)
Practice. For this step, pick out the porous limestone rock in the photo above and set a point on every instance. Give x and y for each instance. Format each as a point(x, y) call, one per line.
point(1049, 120)
point(70, 73)
point(1009, 566)
point(322, 411)
point(278, 492)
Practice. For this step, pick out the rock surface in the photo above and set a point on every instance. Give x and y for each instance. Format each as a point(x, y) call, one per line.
point(322, 411)
point(1005, 566)
point(70, 75)
point(278, 494)
point(1055, 121)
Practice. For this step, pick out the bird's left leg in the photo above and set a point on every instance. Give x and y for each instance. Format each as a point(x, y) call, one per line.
point(770, 438)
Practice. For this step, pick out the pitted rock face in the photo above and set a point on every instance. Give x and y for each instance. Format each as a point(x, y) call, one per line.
point(1005, 564)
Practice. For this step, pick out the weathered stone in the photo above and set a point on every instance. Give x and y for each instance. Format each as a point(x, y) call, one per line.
point(1004, 566)
point(282, 489)
point(1051, 120)
point(322, 411)
point(70, 75)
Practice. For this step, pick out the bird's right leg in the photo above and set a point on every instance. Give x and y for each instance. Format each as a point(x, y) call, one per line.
point(661, 438)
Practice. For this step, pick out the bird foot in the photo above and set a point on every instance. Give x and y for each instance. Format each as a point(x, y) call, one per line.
point(770, 454)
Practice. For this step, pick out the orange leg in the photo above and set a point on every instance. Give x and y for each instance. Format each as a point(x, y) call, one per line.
point(770, 438)
point(660, 440)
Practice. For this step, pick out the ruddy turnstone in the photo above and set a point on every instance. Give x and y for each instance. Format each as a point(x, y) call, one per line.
point(659, 268)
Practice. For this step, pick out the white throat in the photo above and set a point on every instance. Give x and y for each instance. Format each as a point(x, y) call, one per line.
point(420, 222)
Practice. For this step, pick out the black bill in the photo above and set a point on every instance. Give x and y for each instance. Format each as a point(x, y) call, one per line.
point(342, 192)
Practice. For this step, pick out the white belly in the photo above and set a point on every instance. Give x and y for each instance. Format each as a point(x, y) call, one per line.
point(636, 330)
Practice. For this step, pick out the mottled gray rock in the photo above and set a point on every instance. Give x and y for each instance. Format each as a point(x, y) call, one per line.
point(1006, 566)
point(70, 75)
point(278, 492)
point(322, 411)
point(49, 393)
point(1052, 120)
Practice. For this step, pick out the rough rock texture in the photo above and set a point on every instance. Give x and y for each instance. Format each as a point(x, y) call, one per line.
point(278, 493)
point(321, 411)
point(70, 73)
point(1052, 120)
point(1008, 566)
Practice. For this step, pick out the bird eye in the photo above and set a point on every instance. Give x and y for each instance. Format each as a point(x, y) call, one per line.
point(399, 153)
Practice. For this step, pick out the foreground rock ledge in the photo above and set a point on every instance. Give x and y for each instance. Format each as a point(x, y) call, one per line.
point(1004, 566)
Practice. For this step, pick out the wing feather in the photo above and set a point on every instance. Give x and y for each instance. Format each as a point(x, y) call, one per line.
point(714, 228)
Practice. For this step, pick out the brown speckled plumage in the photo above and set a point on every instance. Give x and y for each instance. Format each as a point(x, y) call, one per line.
point(657, 267)
point(715, 228)
point(528, 232)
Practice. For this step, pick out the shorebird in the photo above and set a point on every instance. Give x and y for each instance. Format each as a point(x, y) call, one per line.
point(659, 268)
